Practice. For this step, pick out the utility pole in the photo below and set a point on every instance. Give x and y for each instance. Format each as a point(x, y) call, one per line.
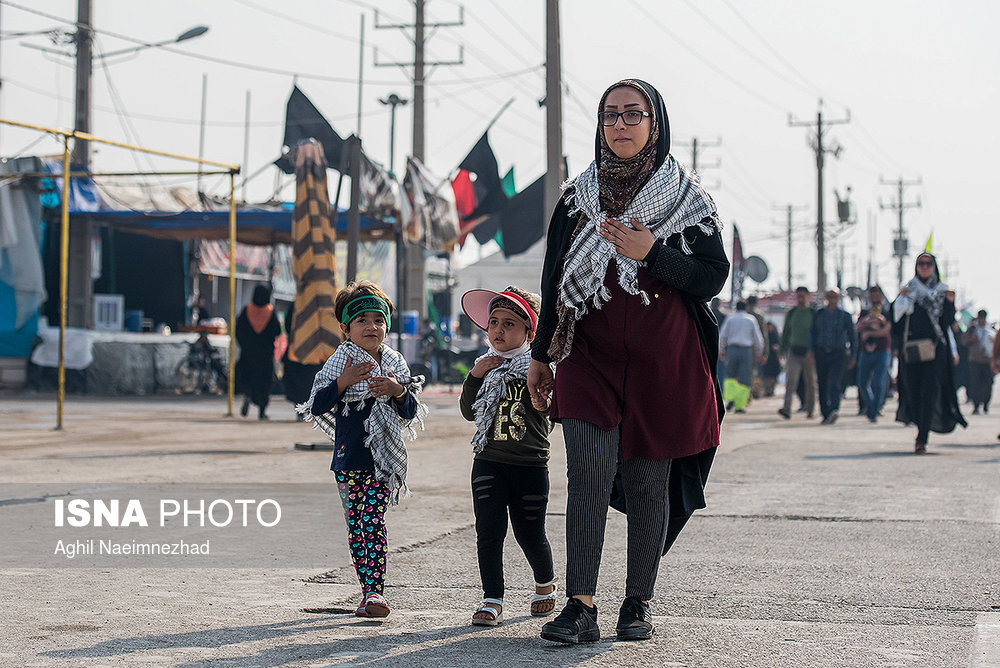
point(788, 231)
point(80, 292)
point(414, 256)
point(900, 245)
point(695, 145)
point(554, 175)
point(821, 150)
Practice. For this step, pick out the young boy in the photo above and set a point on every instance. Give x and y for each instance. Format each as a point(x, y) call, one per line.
point(509, 473)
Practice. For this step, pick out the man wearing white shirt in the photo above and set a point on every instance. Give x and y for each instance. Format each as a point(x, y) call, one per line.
point(740, 341)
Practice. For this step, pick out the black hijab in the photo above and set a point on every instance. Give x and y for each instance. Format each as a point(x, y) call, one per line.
point(261, 295)
point(620, 179)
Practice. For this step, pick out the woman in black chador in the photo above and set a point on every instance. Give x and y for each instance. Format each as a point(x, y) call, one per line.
point(256, 329)
point(922, 316)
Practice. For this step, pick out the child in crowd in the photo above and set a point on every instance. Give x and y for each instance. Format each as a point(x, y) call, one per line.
point(364, 398)
point(511, 446)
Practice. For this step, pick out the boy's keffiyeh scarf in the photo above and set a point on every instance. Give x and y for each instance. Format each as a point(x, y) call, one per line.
point(930, 295)
point(384, 426)
point(671, 201)
point(494, 389)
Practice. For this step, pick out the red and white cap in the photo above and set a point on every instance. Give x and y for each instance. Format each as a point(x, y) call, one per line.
point(478, 304)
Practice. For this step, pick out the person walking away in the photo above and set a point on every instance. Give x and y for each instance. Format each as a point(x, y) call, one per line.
point(874, 355)
point(634, 252)
point(833, 340)
point(799, 360)
point(740, 344)
point(365, 400)
point(510, 476)
point(771, 368)
point(256, 329)
point(922, 315)
point(979, 340)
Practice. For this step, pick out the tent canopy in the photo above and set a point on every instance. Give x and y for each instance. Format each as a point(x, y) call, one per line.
point(178, 213)
point(261, 227)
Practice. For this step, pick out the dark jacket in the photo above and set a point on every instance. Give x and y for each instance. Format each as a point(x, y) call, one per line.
point(698, 277)
point(522, 437)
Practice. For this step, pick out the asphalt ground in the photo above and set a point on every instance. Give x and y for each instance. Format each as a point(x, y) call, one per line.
point(821, 546)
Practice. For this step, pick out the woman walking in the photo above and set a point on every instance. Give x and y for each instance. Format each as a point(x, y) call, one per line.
point(256, 329)
point(922, 314)
point(634, 252)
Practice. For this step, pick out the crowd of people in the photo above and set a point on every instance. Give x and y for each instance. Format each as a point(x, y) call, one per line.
point(913, 347)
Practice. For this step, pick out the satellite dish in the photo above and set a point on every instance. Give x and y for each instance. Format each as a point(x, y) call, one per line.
point(756, 268)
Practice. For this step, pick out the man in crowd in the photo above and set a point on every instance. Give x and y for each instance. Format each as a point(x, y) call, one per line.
point(799, 361)
point(833, 340)
point(740, 342)
point(979, 340)
point(874, 355)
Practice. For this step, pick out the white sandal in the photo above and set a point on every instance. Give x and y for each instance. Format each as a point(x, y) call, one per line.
point(544, 598)
point(496, 616)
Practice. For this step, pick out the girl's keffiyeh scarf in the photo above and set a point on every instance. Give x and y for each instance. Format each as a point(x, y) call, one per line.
point(494, 389)
point(930, 295)
point(384, 426)
point(671, 201)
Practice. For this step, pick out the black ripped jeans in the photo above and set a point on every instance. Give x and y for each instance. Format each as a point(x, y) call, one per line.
point(522, 492)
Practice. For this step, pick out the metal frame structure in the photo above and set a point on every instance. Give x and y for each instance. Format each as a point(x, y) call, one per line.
point(66, 175)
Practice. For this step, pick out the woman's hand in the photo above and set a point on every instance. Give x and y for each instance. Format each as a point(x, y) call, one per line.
point(354, 373)
point(485, 365)
point(632, 243)
point(540, 381)
point(386, 385)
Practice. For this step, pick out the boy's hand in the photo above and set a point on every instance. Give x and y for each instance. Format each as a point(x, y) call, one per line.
point(386, 385)
point(354, 373)
point(485, 365)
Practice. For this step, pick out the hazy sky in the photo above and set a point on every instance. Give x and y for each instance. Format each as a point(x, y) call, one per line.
point(918, 78)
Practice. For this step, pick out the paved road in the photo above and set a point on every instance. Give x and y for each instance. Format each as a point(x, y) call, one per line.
point(821, 546)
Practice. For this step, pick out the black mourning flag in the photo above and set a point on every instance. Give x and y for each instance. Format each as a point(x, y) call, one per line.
point(489, 196)
point(522, 222)
point(302, 121)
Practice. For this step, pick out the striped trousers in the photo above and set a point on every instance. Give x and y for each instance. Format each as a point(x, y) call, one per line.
point(593, 456)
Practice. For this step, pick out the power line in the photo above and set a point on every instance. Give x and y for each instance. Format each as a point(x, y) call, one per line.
point(705, 60)
point(197, 56)
point(774, 51)
point(735, 42)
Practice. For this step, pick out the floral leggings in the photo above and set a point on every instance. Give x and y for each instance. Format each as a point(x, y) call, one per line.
point(365, 499)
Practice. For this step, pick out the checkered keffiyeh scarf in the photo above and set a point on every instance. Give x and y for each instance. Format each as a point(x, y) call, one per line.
point(384, 426)
point(671, 201)
point(930, 295)
point(494, 390)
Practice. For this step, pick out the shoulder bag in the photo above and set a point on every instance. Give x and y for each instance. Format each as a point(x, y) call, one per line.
point(917, 350)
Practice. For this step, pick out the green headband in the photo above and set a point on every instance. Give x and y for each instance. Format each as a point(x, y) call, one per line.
point(359, 305)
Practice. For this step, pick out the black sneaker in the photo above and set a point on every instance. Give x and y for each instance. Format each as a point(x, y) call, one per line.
point(575, 624)
point(635, 621)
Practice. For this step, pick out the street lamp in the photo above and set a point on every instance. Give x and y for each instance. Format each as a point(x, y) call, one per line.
point(393, 100)
point(197, 31)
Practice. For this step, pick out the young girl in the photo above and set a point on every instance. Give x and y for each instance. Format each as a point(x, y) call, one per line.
point(364, 398)
point(509, 473)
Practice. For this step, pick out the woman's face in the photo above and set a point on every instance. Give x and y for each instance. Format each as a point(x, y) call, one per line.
point(627, 140)
point(925, 266)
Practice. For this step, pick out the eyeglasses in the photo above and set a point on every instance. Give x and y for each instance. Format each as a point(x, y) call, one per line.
point(925, 263)
point(630, 117)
